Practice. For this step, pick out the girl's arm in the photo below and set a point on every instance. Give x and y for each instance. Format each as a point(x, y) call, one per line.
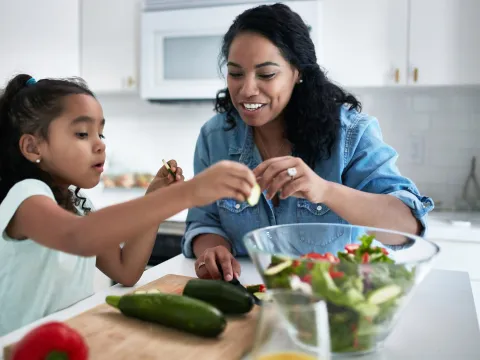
point(126, 265)
point(41, 219)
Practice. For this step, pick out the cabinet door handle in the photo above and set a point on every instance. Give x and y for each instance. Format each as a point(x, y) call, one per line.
point(415, 74)
point(397, 75)
point(130, 81)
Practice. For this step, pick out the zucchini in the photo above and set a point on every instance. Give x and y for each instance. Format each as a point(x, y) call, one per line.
point(171, 310)
point(228, 298)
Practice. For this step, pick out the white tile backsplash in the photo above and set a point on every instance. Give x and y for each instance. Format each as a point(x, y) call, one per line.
point(434, 130)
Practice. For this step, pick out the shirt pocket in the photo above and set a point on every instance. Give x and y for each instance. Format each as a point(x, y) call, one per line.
point(234, 207)
point(308, 212)
point(237, 219)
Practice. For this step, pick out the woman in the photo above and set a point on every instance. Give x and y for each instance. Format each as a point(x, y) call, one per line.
point(317, 158)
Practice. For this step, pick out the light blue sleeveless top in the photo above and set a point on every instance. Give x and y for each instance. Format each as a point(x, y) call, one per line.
point(36, 281)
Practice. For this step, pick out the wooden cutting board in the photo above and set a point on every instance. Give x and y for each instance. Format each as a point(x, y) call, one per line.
point(111, 335)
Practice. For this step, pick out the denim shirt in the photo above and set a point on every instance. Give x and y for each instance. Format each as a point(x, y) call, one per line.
point(360, 159)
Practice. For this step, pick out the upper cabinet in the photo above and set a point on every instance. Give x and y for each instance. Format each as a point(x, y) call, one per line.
point(110, 44)
point(360, 43)
point(444, 45)
point(42, 41)
point(364, 42)
point(401, 42)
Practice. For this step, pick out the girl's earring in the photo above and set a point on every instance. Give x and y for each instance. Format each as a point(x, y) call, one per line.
point(37, 161)
point(300, 81)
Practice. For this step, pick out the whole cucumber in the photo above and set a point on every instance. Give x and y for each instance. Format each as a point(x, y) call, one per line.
point(228, 298)
point(176, 311)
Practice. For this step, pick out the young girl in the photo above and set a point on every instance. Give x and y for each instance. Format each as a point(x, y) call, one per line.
point(51, 145)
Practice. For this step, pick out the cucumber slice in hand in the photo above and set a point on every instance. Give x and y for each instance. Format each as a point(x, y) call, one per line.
point(254, 195)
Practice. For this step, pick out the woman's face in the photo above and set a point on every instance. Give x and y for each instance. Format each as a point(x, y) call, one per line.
point(260, 80)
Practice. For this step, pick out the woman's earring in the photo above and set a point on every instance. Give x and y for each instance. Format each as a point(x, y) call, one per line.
point(37, 161)
point(300, 81)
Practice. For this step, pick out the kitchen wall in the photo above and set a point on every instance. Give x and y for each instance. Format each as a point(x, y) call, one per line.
point(434, 130)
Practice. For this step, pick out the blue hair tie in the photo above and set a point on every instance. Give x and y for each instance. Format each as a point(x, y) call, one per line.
point(30, 82)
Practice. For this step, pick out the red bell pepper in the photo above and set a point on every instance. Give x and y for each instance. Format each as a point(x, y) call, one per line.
point(327, 256)
point(335, 274)
point(307, 278)
point(262, 288)
point(313, 255)
point(365, 258)
point(51, 341)
point(351, 248)
point(332, 258)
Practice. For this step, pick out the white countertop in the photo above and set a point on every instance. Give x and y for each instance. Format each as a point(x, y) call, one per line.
point(439, 323)
point(460, 226)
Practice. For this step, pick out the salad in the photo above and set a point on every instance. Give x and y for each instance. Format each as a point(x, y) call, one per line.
point(362, 286)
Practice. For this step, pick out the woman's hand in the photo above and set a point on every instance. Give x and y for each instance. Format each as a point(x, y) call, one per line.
point(207, 264)
point(225, 179)
point(164, 178)
point(290, 176)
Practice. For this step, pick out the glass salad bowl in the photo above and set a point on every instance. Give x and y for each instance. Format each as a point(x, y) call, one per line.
point(366, 284)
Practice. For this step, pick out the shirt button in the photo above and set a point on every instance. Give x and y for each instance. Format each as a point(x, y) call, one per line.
point(319, 207)
point(237, 206)
point(426, 204)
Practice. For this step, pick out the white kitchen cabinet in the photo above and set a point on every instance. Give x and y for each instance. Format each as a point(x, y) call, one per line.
point(110, 44)
point(364, 42)
point(41, 40)
point(401, 42)
point(444, 45)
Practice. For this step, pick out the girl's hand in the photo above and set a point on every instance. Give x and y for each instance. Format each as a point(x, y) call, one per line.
point(290, 176)
point(164, 178)
point(225, 179)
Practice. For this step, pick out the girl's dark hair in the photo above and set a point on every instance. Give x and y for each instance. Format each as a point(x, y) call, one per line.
point(313, 113)
point(28, 107)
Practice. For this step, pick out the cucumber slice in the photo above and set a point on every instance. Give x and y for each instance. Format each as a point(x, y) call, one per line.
point(153, 291)
point(254, 195)
point(262, 296)
point(278, 268)
point(252, 289)
point(367, 309)
point(168, 168)
point(384, 294)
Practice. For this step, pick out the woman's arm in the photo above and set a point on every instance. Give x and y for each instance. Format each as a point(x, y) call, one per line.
point(372, 210)
point(372, 193)
point(206, 241)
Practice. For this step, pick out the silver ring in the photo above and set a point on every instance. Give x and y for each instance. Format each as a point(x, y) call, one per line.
point(201, 264)
point(292, 172)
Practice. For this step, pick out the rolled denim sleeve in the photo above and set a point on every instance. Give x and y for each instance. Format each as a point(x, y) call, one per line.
point(205, 219)
point(371, 167)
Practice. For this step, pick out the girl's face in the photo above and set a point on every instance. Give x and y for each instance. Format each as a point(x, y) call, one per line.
point(260, 80)
point(74, 153)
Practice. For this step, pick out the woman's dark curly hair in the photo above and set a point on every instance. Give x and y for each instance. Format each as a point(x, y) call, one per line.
point(27, 107)
point(312, 114)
